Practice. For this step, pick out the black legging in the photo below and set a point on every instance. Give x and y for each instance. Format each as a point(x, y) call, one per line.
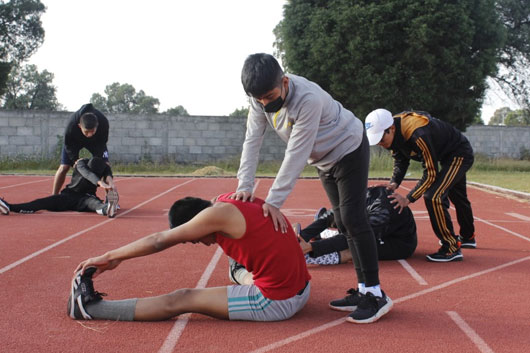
point(65, 201)
point(345, 184)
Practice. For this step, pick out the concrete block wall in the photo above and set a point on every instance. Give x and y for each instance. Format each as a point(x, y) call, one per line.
point(156, 137)
point(195, 139)
point(499, 141)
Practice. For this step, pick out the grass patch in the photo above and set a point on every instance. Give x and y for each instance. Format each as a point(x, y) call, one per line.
point(506, 173)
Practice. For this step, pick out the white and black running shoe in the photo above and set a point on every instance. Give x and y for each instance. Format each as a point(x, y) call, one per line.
point(4, 207)
point(83, 293)
point(112, 203)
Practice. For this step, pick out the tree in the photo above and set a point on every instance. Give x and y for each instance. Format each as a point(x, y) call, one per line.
point(514, 77)
point(29, 89)
point(518, 118)
point(243, 111)
point(123, 98)
point(21, 33)
point(179, 110)
point(399, 54)
point(499, 116)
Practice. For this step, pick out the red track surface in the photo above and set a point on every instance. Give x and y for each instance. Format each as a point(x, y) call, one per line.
point(478, 305)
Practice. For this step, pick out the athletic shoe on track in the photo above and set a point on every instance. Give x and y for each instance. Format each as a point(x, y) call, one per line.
point(320, 213)
point(4, 207)
point(233, 268)
point(83, 293)
point(112, 199)
point(349, 302)
point(370, 309)
point(444, 256)
point(469, 243)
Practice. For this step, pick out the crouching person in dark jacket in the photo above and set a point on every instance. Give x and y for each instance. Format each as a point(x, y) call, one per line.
point(395, 232)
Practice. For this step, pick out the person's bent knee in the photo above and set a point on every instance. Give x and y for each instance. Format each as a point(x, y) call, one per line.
point(63, 169)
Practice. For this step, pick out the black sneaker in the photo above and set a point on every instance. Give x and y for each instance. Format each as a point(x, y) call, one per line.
point(233, 268)
point(349, 302)
point(469, 243)
point(370, 309)
point(83, 293)
point(444, 256)
point(112, 199)
point(4, 207)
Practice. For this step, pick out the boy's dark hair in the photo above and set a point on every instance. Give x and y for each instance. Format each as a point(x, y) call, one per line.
point(89, 121)
point(260, 74)
point(185, 209)
point(99, 167)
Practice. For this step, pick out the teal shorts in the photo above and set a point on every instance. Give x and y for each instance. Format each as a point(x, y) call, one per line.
point(245, 302)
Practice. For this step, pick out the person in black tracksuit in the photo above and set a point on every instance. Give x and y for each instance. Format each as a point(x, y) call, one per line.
point(87, 128)
point(446, 156)
point(79, 195)
point(395, 231)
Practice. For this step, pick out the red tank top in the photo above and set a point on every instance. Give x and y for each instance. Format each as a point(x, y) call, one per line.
point(274, 258)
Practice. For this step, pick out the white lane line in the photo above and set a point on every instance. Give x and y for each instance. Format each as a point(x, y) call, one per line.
point(519, 216)
point(502, 228)
point(179, 326)
point(41, 251)
point(473, 336)
point(305, 334)
point(399, 300)
point(412, 272)
point(498, 227)
point(29, 182)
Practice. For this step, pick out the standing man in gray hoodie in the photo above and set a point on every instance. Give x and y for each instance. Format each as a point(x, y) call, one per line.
point(319, 130)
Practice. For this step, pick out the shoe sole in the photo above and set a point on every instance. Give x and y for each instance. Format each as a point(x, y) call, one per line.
point(468, 246)
point(3, 209)
point(75, 283)
point(456, 258)
point(384, 310)
point(344, 308)
point(112, 198)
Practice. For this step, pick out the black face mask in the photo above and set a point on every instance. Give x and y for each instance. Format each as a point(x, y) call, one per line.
point(275, 105)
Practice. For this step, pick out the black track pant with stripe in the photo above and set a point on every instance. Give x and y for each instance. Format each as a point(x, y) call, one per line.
point(450, 185)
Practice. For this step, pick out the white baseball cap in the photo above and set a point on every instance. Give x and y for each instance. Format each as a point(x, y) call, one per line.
point(376, 123)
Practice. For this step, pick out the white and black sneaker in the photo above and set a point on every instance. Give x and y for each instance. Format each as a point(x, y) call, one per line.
point(83, 293)
point(349, 302)
point(233, 268)
point(112, 203)
point(4, 207)
point(370, 309)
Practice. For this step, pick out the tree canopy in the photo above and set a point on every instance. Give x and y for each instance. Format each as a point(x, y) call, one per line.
point(514, 76)
point(21, 33)
point(243, 111)
point(508, 117)
point(123, 98)
point(29, 89)
point(432, 55)
point(179, 110)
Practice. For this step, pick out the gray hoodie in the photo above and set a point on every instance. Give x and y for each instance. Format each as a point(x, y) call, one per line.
point(316, 128)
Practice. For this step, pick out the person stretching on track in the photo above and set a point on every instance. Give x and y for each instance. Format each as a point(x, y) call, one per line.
point(280, 286)
point(79, 195)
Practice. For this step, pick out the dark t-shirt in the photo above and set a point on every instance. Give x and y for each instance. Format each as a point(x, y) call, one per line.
point(74, 140)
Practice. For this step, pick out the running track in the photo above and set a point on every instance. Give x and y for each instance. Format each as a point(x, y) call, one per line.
point(478, 305)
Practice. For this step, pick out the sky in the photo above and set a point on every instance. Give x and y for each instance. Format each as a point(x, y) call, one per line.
point(187, 53)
